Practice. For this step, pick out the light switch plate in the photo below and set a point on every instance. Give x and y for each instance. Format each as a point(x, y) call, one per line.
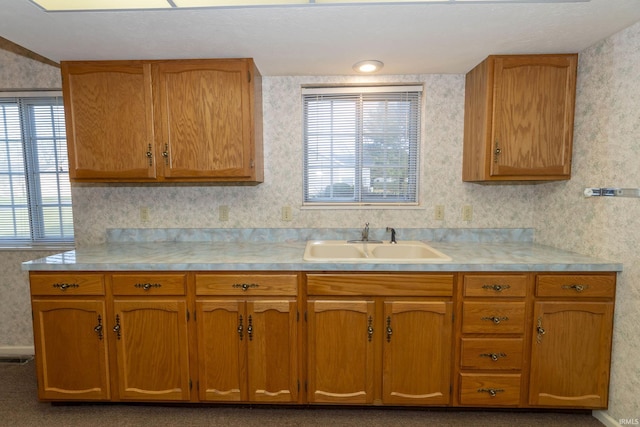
point(223, 213)
point(467, 213)
point(287, 214)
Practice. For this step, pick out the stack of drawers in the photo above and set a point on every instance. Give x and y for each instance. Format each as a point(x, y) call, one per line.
point(492, 339)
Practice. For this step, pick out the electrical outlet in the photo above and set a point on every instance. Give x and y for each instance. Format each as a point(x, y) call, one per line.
point(223, 213)
point(439, 213)
point(144, 214)
point(467, 213)
point(287, 214)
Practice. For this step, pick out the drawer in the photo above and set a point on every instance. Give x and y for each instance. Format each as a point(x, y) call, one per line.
point(148, 284)
point(493, 317)
point(66, 284)
point(492, 353)
point(498, 285)
point(380, 284)
point(576, 285)
point(490, 389)
point(247, 284)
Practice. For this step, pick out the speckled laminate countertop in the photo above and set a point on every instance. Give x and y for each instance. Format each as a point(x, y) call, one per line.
point(288, 256)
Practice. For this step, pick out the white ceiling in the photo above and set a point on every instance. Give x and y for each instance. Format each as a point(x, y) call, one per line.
point(322, 39)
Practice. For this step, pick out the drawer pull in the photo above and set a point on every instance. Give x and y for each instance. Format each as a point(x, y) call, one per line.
point(370, 329)
point(496, 287)
point(65, 286)
point(575, 286)
point(493, 356)
point(147, 286)
point(245, 286)
point(492, 391)
point(495, 319)
point(389, 330)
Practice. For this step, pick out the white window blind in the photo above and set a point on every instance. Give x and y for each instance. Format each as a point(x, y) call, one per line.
point(35, 194)
point(361, 145)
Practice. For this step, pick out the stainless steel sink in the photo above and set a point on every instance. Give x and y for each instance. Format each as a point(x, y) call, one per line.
point(409, 251)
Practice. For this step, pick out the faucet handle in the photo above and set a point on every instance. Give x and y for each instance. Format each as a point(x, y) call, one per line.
point(393, 235)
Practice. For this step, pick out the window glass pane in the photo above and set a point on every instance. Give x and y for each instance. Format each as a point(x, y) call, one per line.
point(36, 194)
point(361, 147)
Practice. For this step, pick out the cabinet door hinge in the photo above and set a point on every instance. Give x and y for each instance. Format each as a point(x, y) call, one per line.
point(249, 76)
point(187, 315)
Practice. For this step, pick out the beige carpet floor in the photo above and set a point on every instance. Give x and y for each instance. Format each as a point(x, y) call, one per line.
point(19, 406)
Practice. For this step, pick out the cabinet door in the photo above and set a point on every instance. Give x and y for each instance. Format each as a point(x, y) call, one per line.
point(152, 350)
point(222, 338)
point(571, 354)
point(272, 351)
point(341, 351)
point(205, 122)
point(71, 349)
point(533, 112)
point(417, 352)
point(108, 111)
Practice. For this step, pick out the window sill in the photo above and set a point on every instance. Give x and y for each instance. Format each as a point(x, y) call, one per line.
point(37, 248)
point(336, 206)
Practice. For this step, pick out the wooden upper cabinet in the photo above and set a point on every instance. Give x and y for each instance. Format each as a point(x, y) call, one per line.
point(174, 120)
point(108, 110)
point(519, 112)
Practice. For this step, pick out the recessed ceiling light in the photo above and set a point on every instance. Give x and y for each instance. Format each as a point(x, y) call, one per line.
point(368, 66)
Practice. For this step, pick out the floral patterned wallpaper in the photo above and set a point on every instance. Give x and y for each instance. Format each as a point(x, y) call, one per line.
point(17, 72)
point(606, 153)
point(97, 208)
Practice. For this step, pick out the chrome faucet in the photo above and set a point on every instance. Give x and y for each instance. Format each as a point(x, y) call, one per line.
point(393, 235)
point(365, 233)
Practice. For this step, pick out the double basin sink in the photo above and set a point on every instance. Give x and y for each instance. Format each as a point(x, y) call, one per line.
point(408, 251)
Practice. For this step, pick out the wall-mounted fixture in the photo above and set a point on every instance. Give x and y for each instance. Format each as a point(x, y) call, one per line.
point(369, 66)
point(612, 192)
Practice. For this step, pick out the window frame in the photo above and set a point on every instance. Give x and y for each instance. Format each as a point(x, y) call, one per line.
point(32, 171)
point(413, 165)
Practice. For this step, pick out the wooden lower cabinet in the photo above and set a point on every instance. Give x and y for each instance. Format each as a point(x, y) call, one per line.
point(341, 351)
point(152, 351)
point(383, 348)
point(416, 352)
point(71, 349)
point(490, 390)
point(571, 340)
point(247, 333)
point(521, 340)
point(247, 350)
point(570, 357)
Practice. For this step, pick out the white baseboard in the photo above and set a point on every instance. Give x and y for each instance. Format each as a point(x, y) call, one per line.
point(17, 351)
point(605, 418)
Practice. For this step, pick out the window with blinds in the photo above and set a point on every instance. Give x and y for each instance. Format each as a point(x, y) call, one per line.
point(361, 145)
point(35, 194)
